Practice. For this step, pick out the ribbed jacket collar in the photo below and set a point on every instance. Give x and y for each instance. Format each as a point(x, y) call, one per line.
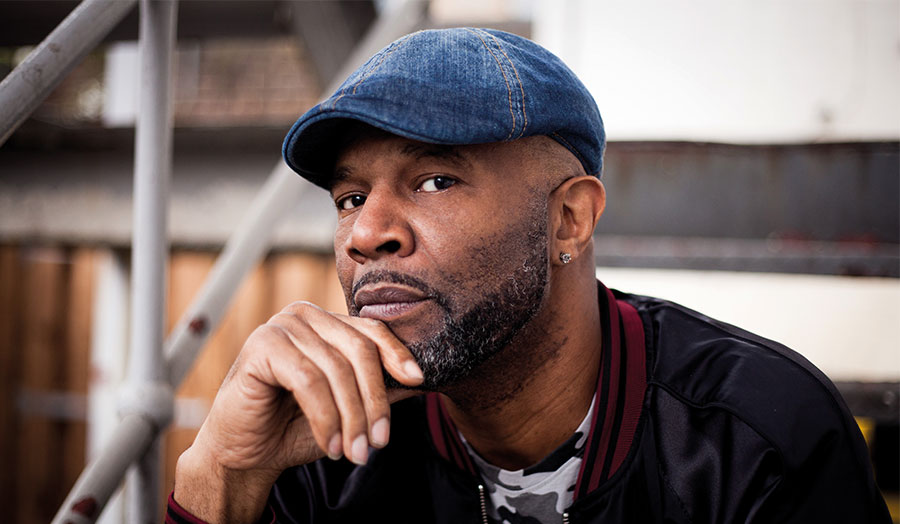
point(621, 383)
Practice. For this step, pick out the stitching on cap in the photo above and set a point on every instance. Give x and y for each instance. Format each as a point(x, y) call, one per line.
point(519, 80)
point(506, 80)
point(571, 148)
point(371, 70)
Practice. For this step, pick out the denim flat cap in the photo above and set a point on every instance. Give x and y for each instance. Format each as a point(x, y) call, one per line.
point(453, 86)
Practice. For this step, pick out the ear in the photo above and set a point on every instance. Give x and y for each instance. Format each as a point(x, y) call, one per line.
point(576, 207)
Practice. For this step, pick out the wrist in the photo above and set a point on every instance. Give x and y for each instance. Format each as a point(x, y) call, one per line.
point(215, 493)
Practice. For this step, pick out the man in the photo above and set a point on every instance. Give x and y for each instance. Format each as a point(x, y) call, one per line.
point(483, 374)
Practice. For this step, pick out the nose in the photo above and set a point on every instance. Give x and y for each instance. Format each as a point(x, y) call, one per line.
point(379, 229)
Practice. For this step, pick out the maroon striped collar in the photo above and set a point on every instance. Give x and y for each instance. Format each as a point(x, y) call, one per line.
point(621, 383)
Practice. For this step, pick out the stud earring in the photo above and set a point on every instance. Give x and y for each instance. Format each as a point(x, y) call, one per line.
point(565, 258)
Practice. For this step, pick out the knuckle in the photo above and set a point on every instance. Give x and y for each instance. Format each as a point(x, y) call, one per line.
point(383, 331)
point(376, 325)
point(285, 319)
point(307, 378)
point(282, 317)
point(263, 331)
point(343, 371)
point(263, 336)
point(324, 417)
point(360, 346)
point(300, 306)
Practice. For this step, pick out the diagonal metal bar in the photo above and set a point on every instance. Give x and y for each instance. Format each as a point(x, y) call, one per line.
point(135, 434)
point(99, 480)
point(29, 84)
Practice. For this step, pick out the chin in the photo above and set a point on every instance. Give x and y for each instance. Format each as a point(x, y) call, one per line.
point(416, 328)
point(410, 333)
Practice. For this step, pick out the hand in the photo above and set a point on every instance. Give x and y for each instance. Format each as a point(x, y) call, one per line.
point(306, 384)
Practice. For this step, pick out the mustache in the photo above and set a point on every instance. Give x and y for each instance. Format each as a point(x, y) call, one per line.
point(393, 277)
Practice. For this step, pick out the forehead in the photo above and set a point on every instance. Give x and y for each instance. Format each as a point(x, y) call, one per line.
point(365, 150)
point(385, 144)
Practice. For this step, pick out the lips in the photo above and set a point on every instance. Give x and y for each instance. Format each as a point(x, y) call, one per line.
point(388, 302)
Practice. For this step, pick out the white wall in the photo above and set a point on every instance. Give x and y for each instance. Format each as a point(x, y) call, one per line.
point(744, 71)
point(849, 327)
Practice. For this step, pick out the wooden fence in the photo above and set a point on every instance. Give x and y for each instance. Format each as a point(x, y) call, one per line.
point(46, 294)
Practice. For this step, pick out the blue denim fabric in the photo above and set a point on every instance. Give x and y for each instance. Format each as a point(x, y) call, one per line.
point(454, 86)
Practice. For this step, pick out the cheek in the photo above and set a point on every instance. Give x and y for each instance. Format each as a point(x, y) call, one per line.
point(485, 255)
point(445, 244)
point(511, 246)
point(343, 263)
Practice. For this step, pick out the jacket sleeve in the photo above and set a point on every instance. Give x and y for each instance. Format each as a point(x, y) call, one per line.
point(175, 514)
point(752, 432)
point(833, 482)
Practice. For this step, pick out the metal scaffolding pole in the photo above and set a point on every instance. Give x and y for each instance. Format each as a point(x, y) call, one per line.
point(243, 249)
point(149, 255)
point(29, 84)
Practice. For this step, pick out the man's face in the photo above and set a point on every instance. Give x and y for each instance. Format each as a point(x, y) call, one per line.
point(447, 246)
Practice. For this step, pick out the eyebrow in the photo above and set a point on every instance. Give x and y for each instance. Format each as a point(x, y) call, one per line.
point(437, 151)
point(443, 152)
point(340, 174)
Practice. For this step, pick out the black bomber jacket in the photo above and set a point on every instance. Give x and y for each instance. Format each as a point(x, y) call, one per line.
point(695, 421)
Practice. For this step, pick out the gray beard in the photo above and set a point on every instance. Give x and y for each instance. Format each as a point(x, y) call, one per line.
point(467, 340)
point(482, 331)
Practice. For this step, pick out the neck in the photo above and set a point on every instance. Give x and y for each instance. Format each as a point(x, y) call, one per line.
point(529, 398)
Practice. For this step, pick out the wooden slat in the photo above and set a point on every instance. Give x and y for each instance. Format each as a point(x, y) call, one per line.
point(297, 276)
point(10, 364)
point(43, 364)
point(187, 271)
point(78, 350)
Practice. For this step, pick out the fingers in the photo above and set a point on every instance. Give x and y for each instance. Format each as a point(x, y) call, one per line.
point(340, 386)
point(346, 431)
point(290, 369)
point(396, 357)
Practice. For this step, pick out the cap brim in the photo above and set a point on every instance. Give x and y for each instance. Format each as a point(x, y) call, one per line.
point(312, 145)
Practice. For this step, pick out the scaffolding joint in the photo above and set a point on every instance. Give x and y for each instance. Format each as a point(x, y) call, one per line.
point(153, 401)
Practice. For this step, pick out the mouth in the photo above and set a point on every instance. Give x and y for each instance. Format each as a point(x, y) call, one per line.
point(388, 302)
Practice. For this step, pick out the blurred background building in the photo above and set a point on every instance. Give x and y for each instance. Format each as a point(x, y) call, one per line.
point(753, 173)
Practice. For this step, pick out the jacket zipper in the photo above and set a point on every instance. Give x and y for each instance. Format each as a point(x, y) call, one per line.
point(484, 518)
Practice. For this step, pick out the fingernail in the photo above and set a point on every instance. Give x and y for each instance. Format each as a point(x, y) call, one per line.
point(334, 447)
point(412, 370)
point(359, 450)
point(380, 431)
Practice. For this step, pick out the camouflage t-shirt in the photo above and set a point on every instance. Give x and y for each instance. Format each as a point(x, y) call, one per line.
point(538, 494)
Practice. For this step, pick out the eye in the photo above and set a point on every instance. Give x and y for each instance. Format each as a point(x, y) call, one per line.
point(436, 183)
point(350, 202)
